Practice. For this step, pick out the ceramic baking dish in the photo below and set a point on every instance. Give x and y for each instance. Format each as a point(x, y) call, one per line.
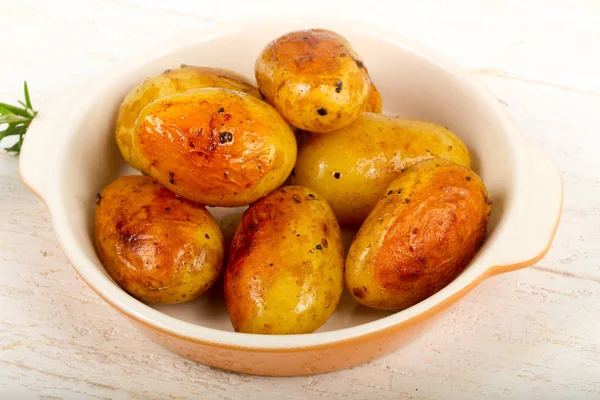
point(70, 153)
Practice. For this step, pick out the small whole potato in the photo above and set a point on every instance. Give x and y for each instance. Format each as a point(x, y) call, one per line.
point(352, 167)
point(421, 234)
point(314, 78)
point(215, 146)
point(286, 264)
point(170, 82)
point(157, 246)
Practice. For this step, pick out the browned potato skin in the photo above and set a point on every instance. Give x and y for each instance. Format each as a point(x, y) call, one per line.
point(168, 83)
point(374, 103)
point(352, 167)
point(215, 146)
point(419, 237)
point(314, 78)
point(286, 254)
point(156, 246)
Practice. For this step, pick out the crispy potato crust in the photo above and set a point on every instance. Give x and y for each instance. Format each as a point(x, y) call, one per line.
point(286, 262)
point(158, 247)
point(421, 234)
point(215, 146)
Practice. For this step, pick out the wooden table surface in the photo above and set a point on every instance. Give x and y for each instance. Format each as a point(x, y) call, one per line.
point(532, 334)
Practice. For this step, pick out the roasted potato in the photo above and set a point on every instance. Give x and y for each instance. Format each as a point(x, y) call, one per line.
point(157, 246)
point(286, 264)
point(374, 103)
point(215, 146)
point(171, 82)
point(314, 78)
point(421, 234)
point(352, 167)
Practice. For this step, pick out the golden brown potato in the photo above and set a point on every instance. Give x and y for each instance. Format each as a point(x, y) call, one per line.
point(421, 234)
point(373, 104)
point(171, 82)
point(158, 247)
point(314, 78)
point(215, 146)
point(286, 263)
point(352, 167)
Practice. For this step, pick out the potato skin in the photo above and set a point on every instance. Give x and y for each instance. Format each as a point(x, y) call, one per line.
point(215, 146)
point(158, 247)
point(286, 263)
point(374, 103)
point(352, 167)
point(314, 78)
point(168, 83)
point(419, 237)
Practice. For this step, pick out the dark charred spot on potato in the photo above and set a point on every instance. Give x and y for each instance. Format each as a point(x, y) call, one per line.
point(415, 231)
point(402, 169)
point(319, 247)
point(225, 137)
point(359, 293)
point(258, 166)
point(322, 111)
point(312, 196)
point(304, 37)
point(171, 177)
point(449, 148)
point(168, 209)
point(221, 110)
point(296, 199)
point(98, 198)
point(406, 201)
point(399, 191)
point(342, 54)
point(206, 236)
point(447, 128)
point(468, 178)
point(324, 243)
point(297, 235)
point(390, 192)
point(283, 191)
point(359, 63)
point(270, 264)
point(338, 86)
point(337, 175)
point(410, 248)
point(191, 144)
point(183, 295)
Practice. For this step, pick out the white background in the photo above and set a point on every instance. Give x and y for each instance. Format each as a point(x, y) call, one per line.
point(529, 334)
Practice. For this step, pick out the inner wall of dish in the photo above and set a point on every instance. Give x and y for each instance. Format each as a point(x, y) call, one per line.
point(410, 84)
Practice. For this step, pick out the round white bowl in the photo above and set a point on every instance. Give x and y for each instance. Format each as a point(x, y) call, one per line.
point(70, 153)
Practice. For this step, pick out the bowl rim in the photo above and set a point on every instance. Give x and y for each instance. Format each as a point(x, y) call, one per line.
point(164, 323)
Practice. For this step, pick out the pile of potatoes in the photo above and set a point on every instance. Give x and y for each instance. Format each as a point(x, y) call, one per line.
point(306, 150)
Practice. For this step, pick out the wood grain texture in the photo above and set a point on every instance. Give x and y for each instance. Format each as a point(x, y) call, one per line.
point(527, 334)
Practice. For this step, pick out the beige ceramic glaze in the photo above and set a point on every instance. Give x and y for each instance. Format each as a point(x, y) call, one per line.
point(67, 158)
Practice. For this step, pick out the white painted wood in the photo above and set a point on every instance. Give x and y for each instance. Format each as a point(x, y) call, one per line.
point(533, 333)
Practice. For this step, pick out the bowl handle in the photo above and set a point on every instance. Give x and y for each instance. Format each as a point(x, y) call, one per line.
point(36, 151)
point(533, 230)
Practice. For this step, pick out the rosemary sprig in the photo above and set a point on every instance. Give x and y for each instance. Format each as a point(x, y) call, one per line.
point(16, 120)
